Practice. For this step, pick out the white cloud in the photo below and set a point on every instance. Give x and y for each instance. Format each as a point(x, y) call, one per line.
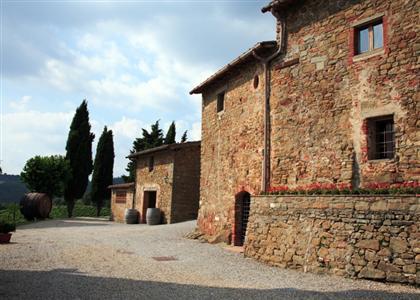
point(90, 42)
point(144, 67)
point(26, 134)
point(20, 104)
point(195, 134)
point(126, 127)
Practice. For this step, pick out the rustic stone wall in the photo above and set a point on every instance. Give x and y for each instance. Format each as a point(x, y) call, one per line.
point(320, 105)
point(186, 185)
point(319, 108)
point(118, 209)
point(159, 179)
point(231, 150)
point(176, 179)
point(373, 237)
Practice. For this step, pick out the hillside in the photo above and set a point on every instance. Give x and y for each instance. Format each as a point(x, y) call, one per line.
point(11, 188)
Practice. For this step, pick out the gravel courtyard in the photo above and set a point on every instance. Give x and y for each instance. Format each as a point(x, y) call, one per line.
point(96, 259)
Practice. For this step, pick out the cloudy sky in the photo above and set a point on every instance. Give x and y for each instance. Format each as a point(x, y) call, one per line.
point(134, 61)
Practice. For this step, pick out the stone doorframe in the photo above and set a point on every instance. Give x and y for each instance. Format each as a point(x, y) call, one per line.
point(145, 203)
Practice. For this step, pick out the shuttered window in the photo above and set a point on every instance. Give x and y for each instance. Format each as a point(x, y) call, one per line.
point(120, 196)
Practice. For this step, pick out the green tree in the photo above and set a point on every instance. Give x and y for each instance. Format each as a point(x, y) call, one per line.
point(79, 154)
point(46, 174)
point(149, 140)
point(184, 137)
point(102, 170)
point(170, 135)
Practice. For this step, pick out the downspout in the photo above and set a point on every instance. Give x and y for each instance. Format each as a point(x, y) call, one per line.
point(265, 62)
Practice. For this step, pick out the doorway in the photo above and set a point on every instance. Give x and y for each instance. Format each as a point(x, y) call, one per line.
point(242, 207)
point(149, 201)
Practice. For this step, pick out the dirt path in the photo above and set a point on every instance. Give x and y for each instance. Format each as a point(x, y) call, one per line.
point(96, 259)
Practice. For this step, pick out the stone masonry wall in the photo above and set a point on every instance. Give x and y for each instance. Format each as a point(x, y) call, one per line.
point(373, 237)
point(231, 150)
point(186, 185)
point(319, 108)
point(118, 209)
point(159, 180)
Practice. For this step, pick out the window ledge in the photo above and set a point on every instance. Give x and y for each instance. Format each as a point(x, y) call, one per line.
point(382, 160)
point(220, 114)
point(369, 54)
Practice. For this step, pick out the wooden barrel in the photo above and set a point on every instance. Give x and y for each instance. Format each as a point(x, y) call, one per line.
point(35, 206)
point(153, 216)
point(131, 216)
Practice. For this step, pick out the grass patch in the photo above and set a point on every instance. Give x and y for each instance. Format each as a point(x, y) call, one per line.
point(80, 210)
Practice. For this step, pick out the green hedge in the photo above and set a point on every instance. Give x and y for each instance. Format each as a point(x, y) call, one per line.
point(385, 191)
point(80, 210)
point(11, 213)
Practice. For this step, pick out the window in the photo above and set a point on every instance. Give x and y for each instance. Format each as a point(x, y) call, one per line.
point(151, 163)
point(221, 102)
point(120, 196)
point(256, 81)
point(369, 37)
point(381, 138)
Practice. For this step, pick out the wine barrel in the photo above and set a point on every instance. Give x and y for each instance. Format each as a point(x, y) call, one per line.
point(131, 216)
point(153, 216)
point(35, 206)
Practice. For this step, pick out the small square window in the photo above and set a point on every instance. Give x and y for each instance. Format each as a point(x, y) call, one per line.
point(151, 163)
point(221, 102)
point(369, 37)
point(120, 196)
point(381, 138)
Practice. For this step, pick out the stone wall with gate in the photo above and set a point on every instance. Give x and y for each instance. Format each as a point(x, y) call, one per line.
point(372, 237)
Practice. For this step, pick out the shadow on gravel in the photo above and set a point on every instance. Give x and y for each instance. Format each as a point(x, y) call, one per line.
point(71, 284)
point(76, 222)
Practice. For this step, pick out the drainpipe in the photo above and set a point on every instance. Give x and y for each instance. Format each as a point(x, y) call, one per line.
point(265, 62)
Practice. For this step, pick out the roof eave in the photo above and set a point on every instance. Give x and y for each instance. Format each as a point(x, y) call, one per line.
point(276, 4)
point(265, 44)
point(163, 148)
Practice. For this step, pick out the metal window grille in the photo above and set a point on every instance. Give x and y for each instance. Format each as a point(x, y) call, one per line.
point(245, 215)
point(384, 139)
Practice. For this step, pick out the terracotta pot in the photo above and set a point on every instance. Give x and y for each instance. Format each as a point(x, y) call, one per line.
point(5, 238)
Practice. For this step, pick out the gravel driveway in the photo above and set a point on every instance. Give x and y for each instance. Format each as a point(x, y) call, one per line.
point(96, 259)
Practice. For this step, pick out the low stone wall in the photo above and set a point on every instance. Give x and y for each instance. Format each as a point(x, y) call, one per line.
point(373, 237)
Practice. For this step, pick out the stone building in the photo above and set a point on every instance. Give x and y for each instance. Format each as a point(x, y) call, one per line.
point(121, 198)
point(168, 177)
point(332, 102)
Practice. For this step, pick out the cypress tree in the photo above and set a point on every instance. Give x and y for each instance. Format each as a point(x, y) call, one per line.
point(79, 155)
point(102, 170)
point(184, 137)
point(170, 135)
point(151, 139)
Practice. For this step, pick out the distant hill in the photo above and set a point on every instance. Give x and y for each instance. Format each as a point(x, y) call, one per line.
point(11, 188)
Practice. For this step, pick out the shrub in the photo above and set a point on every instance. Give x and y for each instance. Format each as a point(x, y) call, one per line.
point(410, 187)
point(7, 227)
point(46, 174)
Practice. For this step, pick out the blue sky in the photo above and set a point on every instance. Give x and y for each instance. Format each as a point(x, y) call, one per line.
point(134, 61)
